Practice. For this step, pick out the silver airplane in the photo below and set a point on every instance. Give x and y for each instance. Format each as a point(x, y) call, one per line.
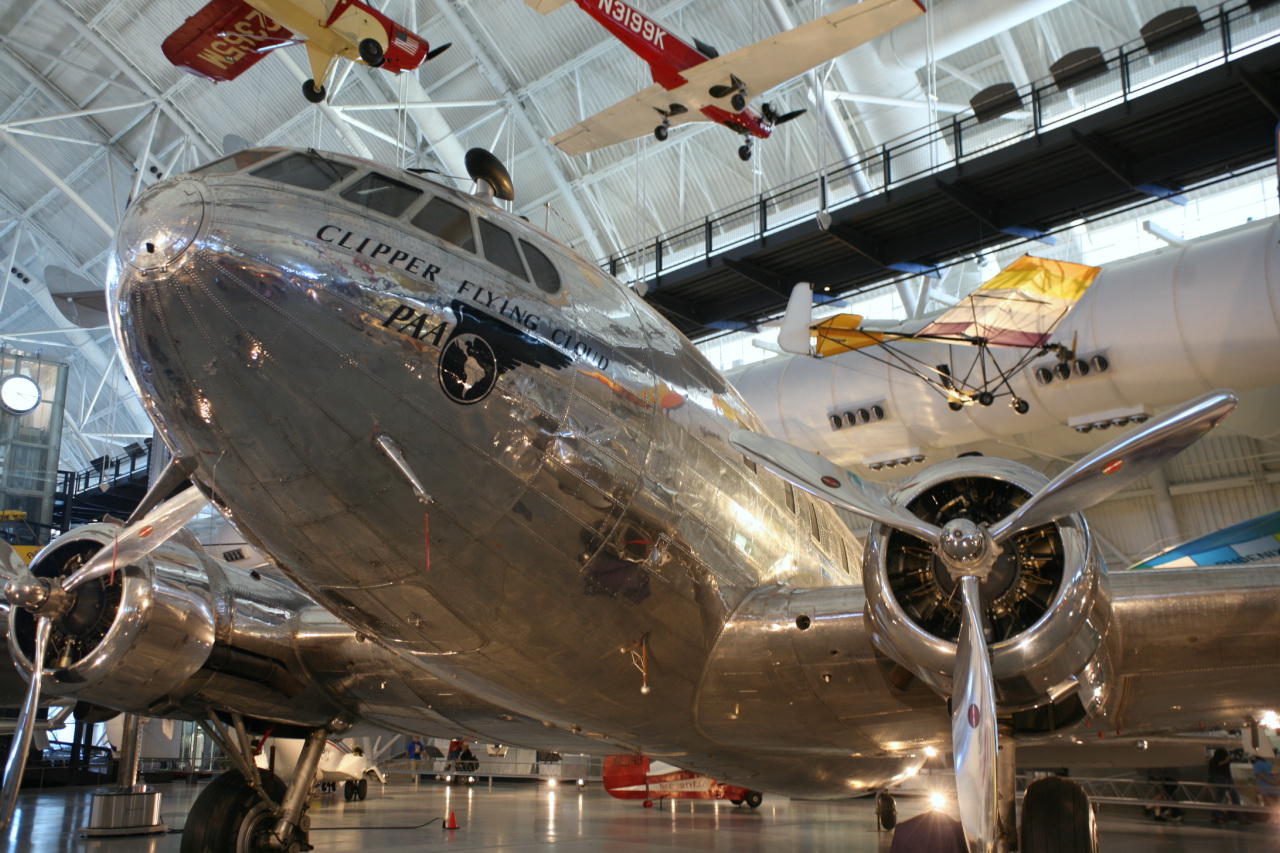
point(511, 502)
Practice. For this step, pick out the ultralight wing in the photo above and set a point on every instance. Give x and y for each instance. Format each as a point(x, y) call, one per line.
point(1257, 539)
point(1018, 307)
point(223, 40)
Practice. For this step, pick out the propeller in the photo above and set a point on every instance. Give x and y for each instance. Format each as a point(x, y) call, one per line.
point(969, 551)
point(766, 109)
point(826, 480)
point(1113, 466)
point(49, 600)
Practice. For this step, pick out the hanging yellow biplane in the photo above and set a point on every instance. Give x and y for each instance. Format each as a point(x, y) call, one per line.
point(227, 37)
point(1018, 308)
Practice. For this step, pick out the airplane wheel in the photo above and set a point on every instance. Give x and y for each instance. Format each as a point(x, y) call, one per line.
point(371, 53)
point(744, 153)
point(311, 93)
point(362, 788)
point(986, 398)
point(739, 102)
point(661, 132)
point(754, 799)
point(1057, 818)
point(886, 811)
point(648, 804)
point(736, 802)
point(348, 790)
point(954, 406)
point(1021, 406)
point(228, 815)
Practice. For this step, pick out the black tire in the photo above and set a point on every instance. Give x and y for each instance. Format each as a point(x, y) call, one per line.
point(986, 398)
point(736, 802)
point(311, 93)
point(886, 811)
point(754, 799)
point(362, 788)
point(230, 817)
point(348, 790)
point(744, 153)
point(1057, 818)
point(954, 406)
point(739, 101)
point(371, 52)
point(662, 132)
point(1021, 406)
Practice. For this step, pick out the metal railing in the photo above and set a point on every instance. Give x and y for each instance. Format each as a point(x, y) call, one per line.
point(1231, 30)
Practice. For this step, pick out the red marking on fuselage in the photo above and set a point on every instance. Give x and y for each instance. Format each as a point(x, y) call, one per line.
point(666, 53)
point(1113, 466)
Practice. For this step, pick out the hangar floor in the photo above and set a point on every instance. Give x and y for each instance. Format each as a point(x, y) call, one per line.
point(529, 817)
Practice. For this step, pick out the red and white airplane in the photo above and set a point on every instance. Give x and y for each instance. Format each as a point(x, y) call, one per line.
point(635, 777)
point(693, 82)
point(227, 37)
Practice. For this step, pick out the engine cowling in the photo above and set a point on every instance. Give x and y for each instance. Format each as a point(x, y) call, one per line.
point(1046, 602)
point(129, 637)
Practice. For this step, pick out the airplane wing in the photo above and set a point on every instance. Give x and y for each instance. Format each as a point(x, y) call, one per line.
point(628, 119)
point(1020, 306)
point(773, 61)
point(223, 40)
point(762, 66)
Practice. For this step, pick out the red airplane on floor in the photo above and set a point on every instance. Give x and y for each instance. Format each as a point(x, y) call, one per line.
point(692, 81)
point(225, 38)
point(634, 777)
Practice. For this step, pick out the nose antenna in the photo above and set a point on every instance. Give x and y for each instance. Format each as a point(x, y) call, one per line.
point(491, 177)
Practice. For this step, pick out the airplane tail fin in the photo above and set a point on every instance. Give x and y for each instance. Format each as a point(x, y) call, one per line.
point(546, 7)
point(794, 335)
point(624, 776)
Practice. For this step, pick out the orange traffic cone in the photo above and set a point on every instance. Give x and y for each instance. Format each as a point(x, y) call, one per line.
point(452, 822)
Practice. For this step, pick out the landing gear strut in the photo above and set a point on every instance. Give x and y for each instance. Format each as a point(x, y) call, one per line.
point(247, 810)
point(663, 130)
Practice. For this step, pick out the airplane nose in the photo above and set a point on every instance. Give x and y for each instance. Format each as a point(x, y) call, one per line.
point(161, 224)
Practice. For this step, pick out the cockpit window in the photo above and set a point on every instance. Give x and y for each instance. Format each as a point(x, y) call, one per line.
point(235, 162)
point(448, 222)
point(500, 249)
point(382, 194)
point(307, 171)
point(544, 272)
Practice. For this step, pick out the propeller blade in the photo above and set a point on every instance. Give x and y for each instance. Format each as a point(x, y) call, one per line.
point(434, 52)
point(973, 726)
point(1113, 466)
point(143, 536)
point(16, 763)
point(786, 117)
point(829, 481)
point(11, 563)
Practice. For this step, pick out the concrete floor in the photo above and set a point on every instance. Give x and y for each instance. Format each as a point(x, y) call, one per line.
point(514, 816)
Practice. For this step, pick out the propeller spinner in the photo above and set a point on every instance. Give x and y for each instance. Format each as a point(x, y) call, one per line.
point(969, 550)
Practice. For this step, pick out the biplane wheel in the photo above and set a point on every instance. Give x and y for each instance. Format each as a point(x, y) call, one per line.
point(739, 102)
point(736, 802)
point(744, 153)
point(311, 93)
point(648, 804)
point(371, 52)
point(661, 131)
point(754, 799)
point(1057, 818)
point(348, 790)
point(1021, 406)
point(886, 811)
point(362, 788)
point(986, 398)
point(229, 815)
point(954, 406)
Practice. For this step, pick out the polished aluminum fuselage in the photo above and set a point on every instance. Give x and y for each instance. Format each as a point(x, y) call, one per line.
point(585, 503)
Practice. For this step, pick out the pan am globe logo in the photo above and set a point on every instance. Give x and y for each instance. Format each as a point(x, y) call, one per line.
point(468, 369)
